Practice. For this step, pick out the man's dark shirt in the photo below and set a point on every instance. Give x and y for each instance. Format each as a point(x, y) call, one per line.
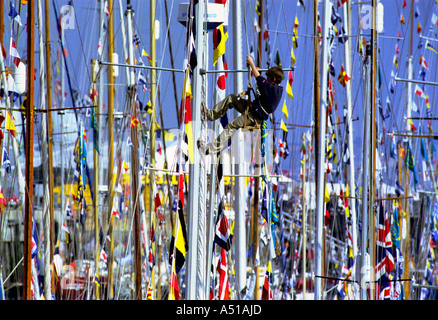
point(269, 95)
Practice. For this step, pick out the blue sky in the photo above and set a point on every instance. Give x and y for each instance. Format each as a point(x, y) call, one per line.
point(81, 44)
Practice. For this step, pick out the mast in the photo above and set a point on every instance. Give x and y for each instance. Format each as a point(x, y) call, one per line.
point(316, 91)
point(372, 207)
point(368, 167)
point(152, 14)
point(110, 170)
point(239, 202)
point(194, 176)
point(134, 161)
point(49, 132)
point(255, 216)
point(96, 184)
point(351, 168)
point(45, 165)
point(320, 152)
point(410, 76)
point(304, 223)
point(28, 214)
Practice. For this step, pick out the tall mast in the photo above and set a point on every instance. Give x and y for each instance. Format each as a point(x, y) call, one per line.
point(28, 214)
point(111, 94)
point(374, 46)
point(368, 161)
point(410, 76)
point(351, 168)
point(255, 216)
point(94, 67)
point(153, 123)
point(45, 165)
point(304, 223)
point(49, 132)
point(134, 161)
point(320, 153)
point(193, 194)
point(239, 202)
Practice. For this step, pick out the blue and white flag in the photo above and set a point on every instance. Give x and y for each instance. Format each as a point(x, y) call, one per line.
point(6, 163)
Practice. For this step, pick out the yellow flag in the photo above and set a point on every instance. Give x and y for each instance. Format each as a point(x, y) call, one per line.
point(168, 136)
point(326, 195)
point(347, 195)
point(10, 125)
point(145, 54)
point(290, 94)
point(292, 57)
point(284, 109)
point(125, 166)
point(283, 126)
point(219, 38)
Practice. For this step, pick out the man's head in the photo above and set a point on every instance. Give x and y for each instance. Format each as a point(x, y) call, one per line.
point(275, 74)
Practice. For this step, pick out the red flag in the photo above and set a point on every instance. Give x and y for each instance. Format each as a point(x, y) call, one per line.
point(14, 53)
point(181, 189)
point(223, 277)
point(343, 77)
point(174, 289)
point(267, 292)
point(134, 122)
point(157, 201)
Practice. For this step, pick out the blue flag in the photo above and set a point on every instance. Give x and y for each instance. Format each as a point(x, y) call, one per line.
point(6, 163)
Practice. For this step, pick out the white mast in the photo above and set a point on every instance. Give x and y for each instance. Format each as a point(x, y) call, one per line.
point(238, 157)
point(349, 119)
point(320, 154)
point(193, 259)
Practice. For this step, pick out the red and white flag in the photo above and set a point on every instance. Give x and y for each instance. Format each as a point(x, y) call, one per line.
point(14, 53)
point(223, 276)
point(221, 83)
point(434, 19)
point(419, 92)
point(103, 256)
point(115, 212)
point(423, 62)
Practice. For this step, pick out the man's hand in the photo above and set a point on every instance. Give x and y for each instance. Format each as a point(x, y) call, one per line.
point(254, 70)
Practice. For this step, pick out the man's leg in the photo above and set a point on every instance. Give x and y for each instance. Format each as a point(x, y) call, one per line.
point(225, 136)
point(231, 101)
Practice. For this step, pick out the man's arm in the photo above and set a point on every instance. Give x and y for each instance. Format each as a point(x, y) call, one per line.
point(254, 70)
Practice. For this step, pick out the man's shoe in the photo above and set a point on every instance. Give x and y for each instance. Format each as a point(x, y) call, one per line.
point(202, 147)
point(204, 111)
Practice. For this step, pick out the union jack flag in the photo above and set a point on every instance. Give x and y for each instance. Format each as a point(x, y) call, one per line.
point(384, 257)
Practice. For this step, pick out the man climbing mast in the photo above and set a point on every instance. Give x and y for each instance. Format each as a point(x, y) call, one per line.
point(267, 98)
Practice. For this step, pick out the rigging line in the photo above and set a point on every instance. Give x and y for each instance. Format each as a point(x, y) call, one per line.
point(65, 60)
point(244, 23)
point(81, 42)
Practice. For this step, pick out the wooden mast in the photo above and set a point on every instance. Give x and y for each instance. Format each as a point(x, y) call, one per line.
point(320, 125)
point(304, 229)
point(374, 46)
point(153, 129)
point(406, 253)
point(316, 91)
point(50, 132)
point(95, 183)
point(28, 214)
point(111, 95)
